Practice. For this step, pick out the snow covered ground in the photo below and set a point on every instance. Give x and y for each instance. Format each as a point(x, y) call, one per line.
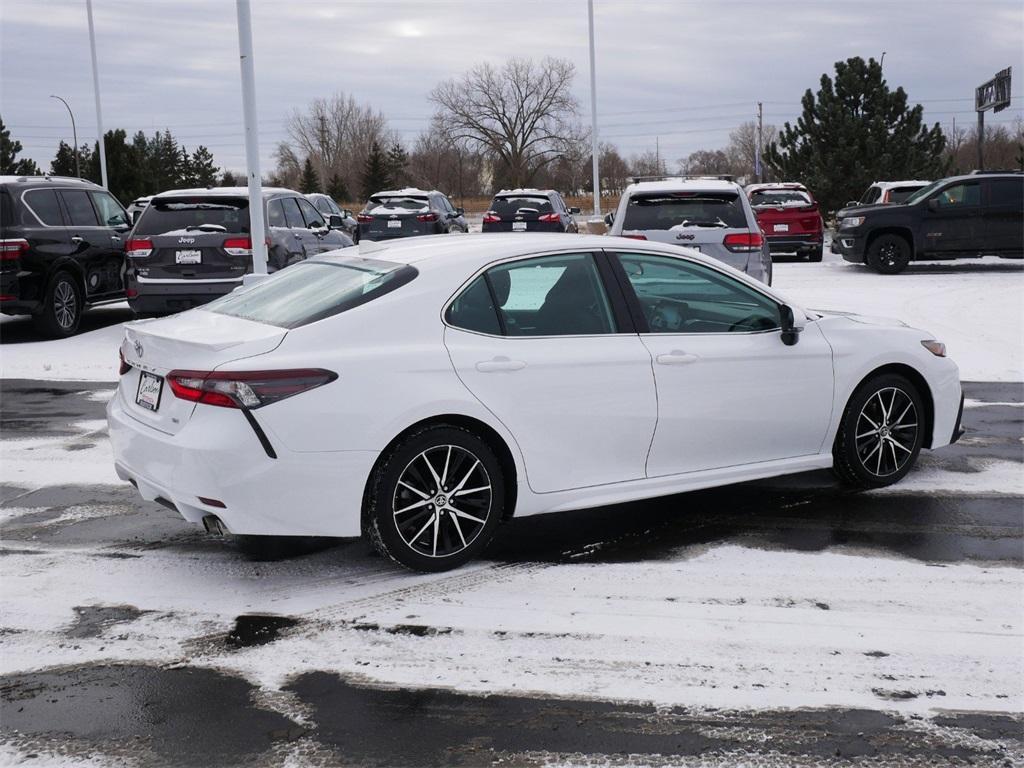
point(975, 306)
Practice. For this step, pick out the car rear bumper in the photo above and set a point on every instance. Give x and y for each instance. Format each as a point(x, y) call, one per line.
point(177, 295)
point(794, 243)
point(217, 456)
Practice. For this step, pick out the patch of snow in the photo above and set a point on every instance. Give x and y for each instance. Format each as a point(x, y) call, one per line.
point(988, 477)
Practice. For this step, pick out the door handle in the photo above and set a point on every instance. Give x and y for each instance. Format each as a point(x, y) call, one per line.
point(677, 357)
point(500, 364)
point(115, 238)
point(76, 239)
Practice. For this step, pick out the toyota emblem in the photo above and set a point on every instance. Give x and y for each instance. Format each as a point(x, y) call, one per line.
point(138, 347)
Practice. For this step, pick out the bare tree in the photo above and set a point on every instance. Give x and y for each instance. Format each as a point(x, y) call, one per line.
point(437, 161)
point(336, 135)
point(648, 163)
point(522, 114)
point(742, 149)
point(706, 161)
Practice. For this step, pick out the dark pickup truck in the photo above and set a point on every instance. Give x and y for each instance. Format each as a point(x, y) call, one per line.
point(981, 214)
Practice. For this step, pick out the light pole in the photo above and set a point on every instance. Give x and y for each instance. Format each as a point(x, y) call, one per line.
point(882, 60)
point(74, 133)
point(96, 91)
point(593, 113)
point(252, 143)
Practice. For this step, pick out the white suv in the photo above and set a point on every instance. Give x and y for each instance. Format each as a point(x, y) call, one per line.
point(711, 215)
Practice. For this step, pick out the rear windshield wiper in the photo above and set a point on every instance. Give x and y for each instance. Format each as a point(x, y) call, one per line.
point(206, 228)
point(697, 223)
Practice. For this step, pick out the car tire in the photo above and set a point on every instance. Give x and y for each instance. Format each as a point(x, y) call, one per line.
point(816, 254)
point(888, 254)
point(62, 308)
point(881, 433)
point(435, 499)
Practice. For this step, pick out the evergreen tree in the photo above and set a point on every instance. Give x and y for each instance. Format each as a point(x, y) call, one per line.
point(63, 164)
point(9, 162)
point(853, 132)
point(308, 182)
point(203, 170)
point(398, 163)
point(375, 172)
point(164, 162)
point(228, 179)
point(186, 174)
point(337, 189)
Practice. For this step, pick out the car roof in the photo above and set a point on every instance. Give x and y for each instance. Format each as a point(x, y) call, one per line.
point(405, 191)
point(524, 191)
point(891, 184)
point(40, 179)
point(223, 192)
point(675, 185)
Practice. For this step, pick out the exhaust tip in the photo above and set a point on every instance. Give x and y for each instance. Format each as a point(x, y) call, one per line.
point(214, 525)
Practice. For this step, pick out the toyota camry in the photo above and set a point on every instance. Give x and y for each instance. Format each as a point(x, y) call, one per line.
point(420, 392)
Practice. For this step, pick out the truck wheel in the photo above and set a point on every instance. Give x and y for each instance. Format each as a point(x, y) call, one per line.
point(62, 308)
point(888, 254)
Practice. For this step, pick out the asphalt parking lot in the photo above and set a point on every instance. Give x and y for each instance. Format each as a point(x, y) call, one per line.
point(153, 643)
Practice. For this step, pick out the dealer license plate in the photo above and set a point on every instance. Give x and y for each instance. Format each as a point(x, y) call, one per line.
point(780, 228)
point(394, 225)
point(188, 257)
point(518, 226)
point(150, 387)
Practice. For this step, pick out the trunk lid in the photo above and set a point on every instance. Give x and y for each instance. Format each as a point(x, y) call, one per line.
point(196, 254)
point(196, 340)
point(783, 220)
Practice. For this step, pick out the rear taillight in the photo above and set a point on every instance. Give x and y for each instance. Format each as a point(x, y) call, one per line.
point(364, 218)
point(549, 218)
point(812, 208)
point(635, 237)
point(490, 217)
point(245, 389)
point(743, 242)
point(124, 364)
point(427, 217)
point(238, 246)
point(12, 250)
point(138, 249)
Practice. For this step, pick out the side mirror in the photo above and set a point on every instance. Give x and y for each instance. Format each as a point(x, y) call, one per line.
point(346, 213)
point(460, 211)
point(334, 221)
point(320, 231)
point(574, 211)
point(933, 204)
point(852, 203)
point(790, 330)
point(609, 218)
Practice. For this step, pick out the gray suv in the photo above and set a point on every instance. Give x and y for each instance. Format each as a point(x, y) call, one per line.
point(409, 212)
point(190, 246)
point(708, 214)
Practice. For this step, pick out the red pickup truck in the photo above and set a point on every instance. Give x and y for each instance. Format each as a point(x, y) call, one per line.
point(789, 218)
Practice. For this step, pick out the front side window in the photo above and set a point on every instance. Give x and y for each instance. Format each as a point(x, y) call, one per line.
point(311, 291)
point(45, 205)
point(111, 212)
point(549, 296)
point(79, 208)
point(685, 210)
point(871, 195)
point(959, 195)
point(313, 219)
point(679, 296)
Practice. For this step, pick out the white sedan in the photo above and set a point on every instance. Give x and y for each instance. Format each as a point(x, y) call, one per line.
point(421, 392)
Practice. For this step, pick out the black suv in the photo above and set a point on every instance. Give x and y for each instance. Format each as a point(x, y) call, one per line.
point(408, 213)
point(981, 214)
point(529, 210)
point(61, 250)
point(190, 246)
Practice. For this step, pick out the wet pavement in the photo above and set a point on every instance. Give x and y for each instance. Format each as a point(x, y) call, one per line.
point(181, 713)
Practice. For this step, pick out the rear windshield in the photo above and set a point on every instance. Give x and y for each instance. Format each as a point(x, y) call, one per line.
point(779, 197)
point(683, 210)
point(406, 202)
point(311, 291)
point(187, 213)
point(510, 206)
point(899, 194)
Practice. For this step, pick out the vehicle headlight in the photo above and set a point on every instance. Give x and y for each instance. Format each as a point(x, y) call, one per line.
point(851, 222)
point(937, 348)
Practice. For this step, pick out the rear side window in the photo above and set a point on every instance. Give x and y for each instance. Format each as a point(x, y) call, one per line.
point(80, 210)
point(474, 309)
point(899, 194)
point(510, 206)
point(311, 291)
point(1007, 193)
point(182, 213)
point(45, 205)
point(685, 210)
point(111, 212)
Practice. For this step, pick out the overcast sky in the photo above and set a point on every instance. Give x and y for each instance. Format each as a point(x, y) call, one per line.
point(681, 73)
